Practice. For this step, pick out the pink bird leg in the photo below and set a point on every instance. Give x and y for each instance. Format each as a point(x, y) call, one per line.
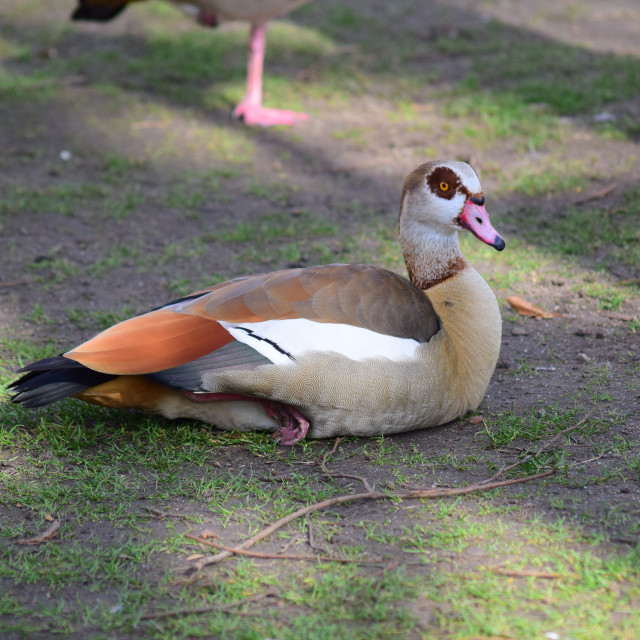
point(293, 425)
point(250, 108)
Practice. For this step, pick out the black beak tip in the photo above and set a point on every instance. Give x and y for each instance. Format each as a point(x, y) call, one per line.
point(498, 244)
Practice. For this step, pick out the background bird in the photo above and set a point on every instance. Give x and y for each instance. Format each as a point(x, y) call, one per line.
point(330, 350)
point(210, 13)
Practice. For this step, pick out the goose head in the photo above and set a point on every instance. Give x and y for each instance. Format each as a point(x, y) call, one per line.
point(439, 199)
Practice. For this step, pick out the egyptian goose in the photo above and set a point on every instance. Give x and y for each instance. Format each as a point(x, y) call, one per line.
point(341, 349)
point(211, 12)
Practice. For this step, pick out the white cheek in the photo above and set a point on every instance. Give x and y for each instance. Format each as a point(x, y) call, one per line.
point(274, 339)
point(447, 211)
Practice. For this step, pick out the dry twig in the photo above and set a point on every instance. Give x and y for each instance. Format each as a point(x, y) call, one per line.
point(337, 474)
point(164, 514)
point(526, 573)
point(222, 608)
point(618, 316)
point(545, 447)
point(43, 537)
point(369, 495)
point(13, 283)
point(278, 556)
point(599, 194)
point(311, 542)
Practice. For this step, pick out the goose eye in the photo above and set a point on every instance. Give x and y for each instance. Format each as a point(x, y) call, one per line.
point(444, 186)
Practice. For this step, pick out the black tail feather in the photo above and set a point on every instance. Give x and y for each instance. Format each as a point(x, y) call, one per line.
point(101, 11)
point(53, 379)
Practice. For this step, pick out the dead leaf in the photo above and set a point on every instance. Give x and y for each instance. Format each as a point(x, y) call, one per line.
point(49, 518)
point(195, 556)
point(475, 419)
point(525, 308)
point(43, 537)
point(207, 533)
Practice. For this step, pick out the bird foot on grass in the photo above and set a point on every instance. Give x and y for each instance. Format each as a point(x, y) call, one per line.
point(293, 425)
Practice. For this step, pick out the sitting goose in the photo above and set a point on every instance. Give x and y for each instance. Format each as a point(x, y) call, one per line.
point(341, 349)
point(210, 13)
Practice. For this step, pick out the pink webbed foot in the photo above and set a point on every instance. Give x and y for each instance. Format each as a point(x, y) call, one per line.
point(258, 116)
point(293, 425)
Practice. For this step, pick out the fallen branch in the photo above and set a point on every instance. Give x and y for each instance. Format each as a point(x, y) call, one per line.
point(43, 537)
point(290, 543)
point(369, 495)
point(323, 462)
point(163, 514)
point(278, 556)
point(618, 316)
point(524, 573)
point(13, 283)
point(545, 447)
point(602, 455)
point(310, 539)
point(337, 474)
point(222, 608)
point(599, 194)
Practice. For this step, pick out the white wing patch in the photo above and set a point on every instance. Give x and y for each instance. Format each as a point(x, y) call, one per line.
point(282, 340)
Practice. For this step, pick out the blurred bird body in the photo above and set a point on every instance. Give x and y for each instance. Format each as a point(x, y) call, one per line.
point(211, 13)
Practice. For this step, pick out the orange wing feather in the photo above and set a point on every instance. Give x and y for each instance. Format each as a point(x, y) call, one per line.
point(151, 342)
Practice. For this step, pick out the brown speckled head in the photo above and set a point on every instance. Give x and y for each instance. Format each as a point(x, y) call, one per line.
point(438, 199)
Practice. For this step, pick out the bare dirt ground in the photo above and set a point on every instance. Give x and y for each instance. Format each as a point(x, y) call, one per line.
point(163, 193)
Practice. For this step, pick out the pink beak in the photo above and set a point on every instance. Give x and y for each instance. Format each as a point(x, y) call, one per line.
point(475, 218)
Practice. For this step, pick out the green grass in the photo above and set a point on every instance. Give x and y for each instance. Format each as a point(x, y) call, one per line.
point(301, 223)
point(584, 230)
point(89, 488)
point(62, 199)
point(567, 79)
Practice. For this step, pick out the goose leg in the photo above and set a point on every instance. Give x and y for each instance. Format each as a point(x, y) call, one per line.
point(293, 425)
point(250, 108)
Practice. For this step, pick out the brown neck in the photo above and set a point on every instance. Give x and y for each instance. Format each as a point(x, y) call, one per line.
point(425, 281)
point(431, 256)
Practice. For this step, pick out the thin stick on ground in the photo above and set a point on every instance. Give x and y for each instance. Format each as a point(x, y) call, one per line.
point(13, 283)
point(369, 495)
point(526, 573)
point(156, 513)
point(545, 447)
point(323, 462)
point(222, 608)
point(337, 474)
point(310, 540)
point(599, 194)
point(279, 556)
point(43, 537)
